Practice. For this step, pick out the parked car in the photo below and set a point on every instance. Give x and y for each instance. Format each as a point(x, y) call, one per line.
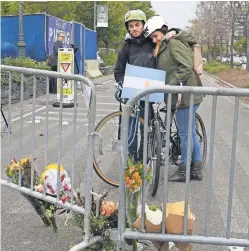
point(243, 60)
point(236, 60)
point(225, 60)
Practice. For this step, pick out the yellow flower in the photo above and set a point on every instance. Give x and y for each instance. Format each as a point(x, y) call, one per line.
point(131, 169)
point(14, 165)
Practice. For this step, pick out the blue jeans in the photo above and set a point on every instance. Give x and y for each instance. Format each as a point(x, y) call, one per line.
point(135, 150)
point(182, 118)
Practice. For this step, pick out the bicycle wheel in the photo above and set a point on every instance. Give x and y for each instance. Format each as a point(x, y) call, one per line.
point(155, 149)
point(202, 135)
point(107, 165)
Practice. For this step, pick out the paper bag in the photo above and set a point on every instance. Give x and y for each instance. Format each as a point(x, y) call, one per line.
point(175, 218)
point(149, 227)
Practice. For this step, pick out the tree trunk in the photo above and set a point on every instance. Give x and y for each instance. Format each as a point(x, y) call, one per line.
point(227, 48)
point(209, 50)
point(106, 45)
point(231, 48)
point(247, 38)
point(221, 52)
point(214, 48)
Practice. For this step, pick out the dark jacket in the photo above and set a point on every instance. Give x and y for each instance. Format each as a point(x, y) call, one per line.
point(176, 58)
point(135, 51)
point(58, 44)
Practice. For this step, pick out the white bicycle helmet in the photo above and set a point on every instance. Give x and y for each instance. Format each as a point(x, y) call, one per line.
point(153, 24)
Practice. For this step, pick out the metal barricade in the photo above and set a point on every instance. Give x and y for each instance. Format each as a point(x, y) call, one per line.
point(122, 233)
point(90, 140)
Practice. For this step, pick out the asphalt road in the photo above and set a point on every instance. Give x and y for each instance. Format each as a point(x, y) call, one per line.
point(23, 230)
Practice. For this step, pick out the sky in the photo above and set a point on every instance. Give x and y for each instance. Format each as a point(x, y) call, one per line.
point(176, 13)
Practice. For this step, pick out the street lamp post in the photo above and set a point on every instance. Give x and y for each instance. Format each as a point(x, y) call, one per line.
point(21, 42)
point(94, 13)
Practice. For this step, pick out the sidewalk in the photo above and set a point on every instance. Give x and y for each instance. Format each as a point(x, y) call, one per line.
point(102, 79)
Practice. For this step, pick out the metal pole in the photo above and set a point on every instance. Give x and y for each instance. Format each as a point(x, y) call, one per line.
point(21, 43)
point(94, 18)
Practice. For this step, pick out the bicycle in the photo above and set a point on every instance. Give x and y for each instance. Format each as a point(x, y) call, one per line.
point(114, 145)
point(174, 140)
point(156, 143)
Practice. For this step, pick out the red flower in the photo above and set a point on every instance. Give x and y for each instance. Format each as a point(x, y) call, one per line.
point(65, 199)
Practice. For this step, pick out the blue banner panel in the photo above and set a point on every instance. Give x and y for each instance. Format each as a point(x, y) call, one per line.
point(54, 26)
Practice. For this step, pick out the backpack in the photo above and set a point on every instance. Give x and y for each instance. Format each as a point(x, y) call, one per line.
point(197, 57)
point(198, 61)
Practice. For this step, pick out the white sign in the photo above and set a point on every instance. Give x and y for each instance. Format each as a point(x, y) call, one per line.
point(65, 65)
point(102, 16)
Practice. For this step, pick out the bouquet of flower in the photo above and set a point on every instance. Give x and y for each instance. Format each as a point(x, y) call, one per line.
point(47, 183)
point(134, 175)
point(100, 223)
point(43, 209)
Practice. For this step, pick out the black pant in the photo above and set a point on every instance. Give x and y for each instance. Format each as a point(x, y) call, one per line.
point(53, 82)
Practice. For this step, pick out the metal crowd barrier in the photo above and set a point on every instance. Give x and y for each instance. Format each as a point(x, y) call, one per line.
point(122, 233)
point(90, 140)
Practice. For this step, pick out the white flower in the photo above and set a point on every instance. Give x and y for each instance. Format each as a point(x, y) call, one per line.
point(155, 217)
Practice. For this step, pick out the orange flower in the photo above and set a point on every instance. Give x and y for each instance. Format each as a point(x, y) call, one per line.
point(107, 208)
point(136, 175)
point(128, 182)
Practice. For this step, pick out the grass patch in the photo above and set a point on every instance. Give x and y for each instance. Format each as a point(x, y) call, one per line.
point(214, 67)
point(20, 62)
point(25, 62)
point(109, 59)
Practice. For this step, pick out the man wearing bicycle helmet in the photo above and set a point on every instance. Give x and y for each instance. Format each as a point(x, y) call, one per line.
point(136, 50)
point(176, 58)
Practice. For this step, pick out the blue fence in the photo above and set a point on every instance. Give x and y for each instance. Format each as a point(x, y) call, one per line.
point(91, 47)
point(40, 32)
point(34, 36)
point(79, 38)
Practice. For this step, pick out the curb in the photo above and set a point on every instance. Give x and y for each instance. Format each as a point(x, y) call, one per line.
point(222, 81)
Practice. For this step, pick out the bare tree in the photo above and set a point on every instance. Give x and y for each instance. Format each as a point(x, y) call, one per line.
point(243, 19)
point(220, 20)
point(204, 14)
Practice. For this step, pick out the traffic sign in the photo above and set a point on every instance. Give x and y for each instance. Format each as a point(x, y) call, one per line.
point(66, 65)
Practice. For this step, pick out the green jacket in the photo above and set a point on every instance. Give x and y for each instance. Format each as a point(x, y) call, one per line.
point(175, 56)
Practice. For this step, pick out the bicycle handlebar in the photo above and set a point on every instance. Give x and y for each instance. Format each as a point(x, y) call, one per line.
point(118, 93)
